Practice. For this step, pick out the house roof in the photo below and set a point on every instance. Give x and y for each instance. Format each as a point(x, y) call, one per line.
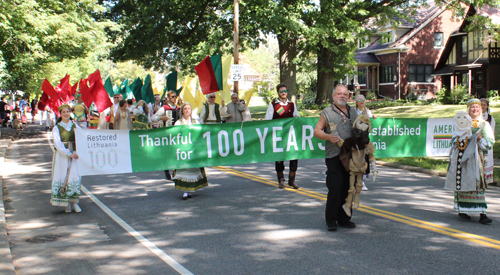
point(491, 12)
point(446, 70)
point(366, 58)
point(423, 16)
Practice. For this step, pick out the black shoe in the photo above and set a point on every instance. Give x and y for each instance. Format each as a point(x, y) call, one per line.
point(347, 225)
point(484, 219)
point(332, 227)
point(464, 216)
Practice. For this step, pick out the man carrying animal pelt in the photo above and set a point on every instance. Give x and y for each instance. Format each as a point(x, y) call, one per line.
point(355, 154)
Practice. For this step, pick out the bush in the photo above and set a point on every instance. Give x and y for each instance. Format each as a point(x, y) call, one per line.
point(460, 94)
point(267, 95)
point(443, 96)
point(370, 95)
point(493, 95)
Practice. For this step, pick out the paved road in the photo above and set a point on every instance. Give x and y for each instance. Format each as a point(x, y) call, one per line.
point(241, 224)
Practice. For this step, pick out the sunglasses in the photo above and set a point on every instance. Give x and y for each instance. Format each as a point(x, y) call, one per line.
point(283, 91)
point(173, 96)
point(212, 97)
point(116, 97)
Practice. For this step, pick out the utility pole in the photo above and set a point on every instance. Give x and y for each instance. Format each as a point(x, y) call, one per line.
point(236, 39)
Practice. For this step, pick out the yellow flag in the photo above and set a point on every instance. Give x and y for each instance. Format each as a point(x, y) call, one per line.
point(227, 60)
point(246, 95)
point(187, 91)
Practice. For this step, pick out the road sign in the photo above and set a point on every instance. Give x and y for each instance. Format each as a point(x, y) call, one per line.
point(236, 72)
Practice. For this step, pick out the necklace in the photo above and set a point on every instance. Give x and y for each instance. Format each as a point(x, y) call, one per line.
point(465, 144)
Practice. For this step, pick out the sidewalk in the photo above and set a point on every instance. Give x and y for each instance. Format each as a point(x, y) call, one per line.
point(6, 264)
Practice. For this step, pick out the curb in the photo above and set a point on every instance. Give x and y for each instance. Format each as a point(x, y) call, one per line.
point(6, 263)
point(412, 168)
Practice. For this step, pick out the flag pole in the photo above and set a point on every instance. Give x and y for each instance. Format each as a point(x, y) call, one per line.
point(236, 39)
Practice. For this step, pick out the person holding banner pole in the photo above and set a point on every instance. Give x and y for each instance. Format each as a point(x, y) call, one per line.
point(488, 170)
point(336, 123)
point(283, 108)
point(190, 179)
point(66, 182)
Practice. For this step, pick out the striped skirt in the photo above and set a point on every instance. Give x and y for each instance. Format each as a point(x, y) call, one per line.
point(470, 202)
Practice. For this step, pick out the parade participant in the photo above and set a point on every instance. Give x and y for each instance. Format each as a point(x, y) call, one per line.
point(466, 171)
point(235, 110)
point(123, 121)
point(191, 179)
point(246, 114)
point(283, 108)
point(3, 111)
point(337, 178)
point(157, 104)
point(34, 109)
point(81, 112)
point(94, 117)
point(356, 154)
point(49, 119)
point(142, 120)
point(360, 108)
point(169, 113)
point(113, 109)
point(211, 112)
point(179, 101)
point(488, 170)
point(66, 182)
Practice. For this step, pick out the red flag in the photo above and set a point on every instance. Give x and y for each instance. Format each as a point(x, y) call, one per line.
point(73, 89)
point(101, 97)
point(44, 99)
point(54, 98)
point(64, 89)
point(208, 82)
point(85, 92)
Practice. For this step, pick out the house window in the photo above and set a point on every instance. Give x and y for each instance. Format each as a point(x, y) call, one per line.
point(464, 46)
point(465, 79)
point(477, 39)
point(421, 73)
point(362, 76)
point(385, 39)
point(387, 74)
point(438, 39)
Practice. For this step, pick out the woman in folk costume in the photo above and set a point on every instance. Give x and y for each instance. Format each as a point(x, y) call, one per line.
point(191, 179)
point(466, 170)
point(123, 121)
point(141, 114)
point(66, 182)
point(488, 170)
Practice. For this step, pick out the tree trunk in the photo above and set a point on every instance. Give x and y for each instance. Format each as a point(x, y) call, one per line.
point(288, 69)
point(326, 76)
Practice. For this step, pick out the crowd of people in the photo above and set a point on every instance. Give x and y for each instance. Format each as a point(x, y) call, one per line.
point(469, 173)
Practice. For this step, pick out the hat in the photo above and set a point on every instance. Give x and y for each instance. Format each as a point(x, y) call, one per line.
point(473, 101)
point(62, 106)
point(360, 98)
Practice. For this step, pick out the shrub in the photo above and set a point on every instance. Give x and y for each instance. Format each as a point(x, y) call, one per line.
point(370, 95)
point(460, 94)
point(267, 95)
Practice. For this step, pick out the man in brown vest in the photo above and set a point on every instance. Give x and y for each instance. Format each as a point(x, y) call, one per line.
point(281, 107)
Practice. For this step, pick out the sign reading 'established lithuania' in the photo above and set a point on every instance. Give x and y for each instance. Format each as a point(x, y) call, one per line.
point(118, 151)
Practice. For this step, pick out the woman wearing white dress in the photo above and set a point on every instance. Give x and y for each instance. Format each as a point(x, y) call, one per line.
point(66, 182)
point(488, 170)
point(191, 179)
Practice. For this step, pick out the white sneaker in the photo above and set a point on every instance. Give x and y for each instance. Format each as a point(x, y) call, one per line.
point(77, 208)
point(364, 188)
point(68, 208)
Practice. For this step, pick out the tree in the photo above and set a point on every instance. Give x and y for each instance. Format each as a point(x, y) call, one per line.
point(36, 33)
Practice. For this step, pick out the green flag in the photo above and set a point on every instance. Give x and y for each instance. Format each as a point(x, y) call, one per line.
point(136, 88)
point(217, 67)
point(108, 86)
point(147, 90)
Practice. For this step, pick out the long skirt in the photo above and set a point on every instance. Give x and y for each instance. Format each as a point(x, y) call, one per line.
point(488, 167)
point(60, 165)
point(190, 180)
point(470, 202)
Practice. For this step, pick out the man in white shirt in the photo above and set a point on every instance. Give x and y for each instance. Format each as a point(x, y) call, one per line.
point(283, 108)
point(211, 112)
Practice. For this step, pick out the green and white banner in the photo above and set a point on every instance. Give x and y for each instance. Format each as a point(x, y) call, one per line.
point(116, 151)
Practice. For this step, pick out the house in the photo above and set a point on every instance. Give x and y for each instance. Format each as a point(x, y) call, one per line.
point(402, 61)
point(472, 58)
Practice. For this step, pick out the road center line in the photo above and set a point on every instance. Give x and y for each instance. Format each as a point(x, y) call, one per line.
point(492, 243)
point(138, 236)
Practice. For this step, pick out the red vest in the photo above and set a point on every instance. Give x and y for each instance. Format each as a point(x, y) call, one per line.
point(283, 111)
